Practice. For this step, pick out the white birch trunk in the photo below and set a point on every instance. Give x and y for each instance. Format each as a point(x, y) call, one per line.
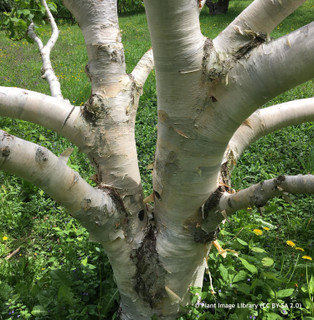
point(206, 89)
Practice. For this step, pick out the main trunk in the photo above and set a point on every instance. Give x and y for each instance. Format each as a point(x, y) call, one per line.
point(172, 257)
point(205, 90)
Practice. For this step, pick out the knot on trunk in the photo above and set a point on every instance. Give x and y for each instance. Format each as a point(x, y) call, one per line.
point(95, 108)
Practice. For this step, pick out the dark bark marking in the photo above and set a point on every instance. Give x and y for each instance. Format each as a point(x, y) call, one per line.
point(141, 215)
point(213, 200)
point(281, 179)
point(157, 195)
point(95, 108)
point(256, 39)
point(5, 152)
point(115, 196)
point(98, 175)
point(41, 155)
point(201, 236)
point(67, 117)
point(258, 198)
point(148, 268)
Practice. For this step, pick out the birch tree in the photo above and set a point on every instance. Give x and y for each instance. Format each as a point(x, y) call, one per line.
point(209, 93)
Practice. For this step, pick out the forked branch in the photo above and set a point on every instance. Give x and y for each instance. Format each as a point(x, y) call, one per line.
point(223, 204)
point(257, 20)
point(263, 74)
point(45, 50)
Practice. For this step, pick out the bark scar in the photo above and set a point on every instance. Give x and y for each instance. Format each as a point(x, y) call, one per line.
point(67, 117)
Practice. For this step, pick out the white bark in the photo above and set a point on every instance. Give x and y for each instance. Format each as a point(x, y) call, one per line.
point(184, 171)
point(224, 204)
point(45, 50)
point(258, 195)
point(257, 20)
point(265, 121)
point(205, 91)
point(111, 110)
point(143, 68)
point(41, 109)
point(240, 86)
point(98, 21)
point(38, 165)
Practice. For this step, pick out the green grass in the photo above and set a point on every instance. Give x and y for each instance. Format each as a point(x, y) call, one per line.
point(57, 274)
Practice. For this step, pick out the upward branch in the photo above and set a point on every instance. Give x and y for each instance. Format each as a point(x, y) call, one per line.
point(260, 75)
point(260, 18)
point(98, 21)
point(47, 70)
point(143, 68)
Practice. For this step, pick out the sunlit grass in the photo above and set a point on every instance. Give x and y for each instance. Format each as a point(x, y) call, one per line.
point(50, 241)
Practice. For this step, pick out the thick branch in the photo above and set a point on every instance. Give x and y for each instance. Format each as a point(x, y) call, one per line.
point(143, 68)
point(259, 19)
point(259, 194)
point(41, 167)
point(265, 121)
point(47, 70)
point(98, 21)
point(95, 209)
point(41, 109)
point(263, 74)
point(224, 204)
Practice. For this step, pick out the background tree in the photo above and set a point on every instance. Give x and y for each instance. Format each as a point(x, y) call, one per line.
point(208, 91)
point(217, 7)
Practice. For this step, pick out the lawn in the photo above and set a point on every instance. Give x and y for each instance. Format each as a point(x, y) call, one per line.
point(49, 270)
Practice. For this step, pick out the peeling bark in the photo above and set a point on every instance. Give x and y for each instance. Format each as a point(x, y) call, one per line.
point(208, 91)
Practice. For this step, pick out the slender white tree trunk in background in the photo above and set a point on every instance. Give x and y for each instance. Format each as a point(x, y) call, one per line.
point(208, 94)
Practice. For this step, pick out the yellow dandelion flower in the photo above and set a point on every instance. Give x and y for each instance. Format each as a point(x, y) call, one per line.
point(298, 248)
point(4, 238)
point(306, 258)
point(266, 228)
point(258, 232)
point(290, 243)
